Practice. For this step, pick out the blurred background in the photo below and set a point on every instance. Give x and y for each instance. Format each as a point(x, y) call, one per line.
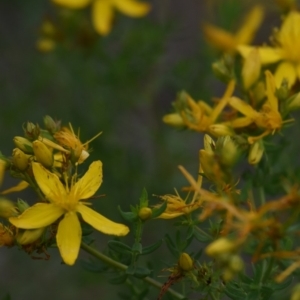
point(122, 85)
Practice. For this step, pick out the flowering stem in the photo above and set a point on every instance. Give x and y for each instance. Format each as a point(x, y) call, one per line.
point(123, 267)
point(34, 186)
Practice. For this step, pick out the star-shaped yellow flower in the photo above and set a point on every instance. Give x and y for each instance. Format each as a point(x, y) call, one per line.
point(103, 10)
point(227, 41)
point(287, 49)
point(65, 202)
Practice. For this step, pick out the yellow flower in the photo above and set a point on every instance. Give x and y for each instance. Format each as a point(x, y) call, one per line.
point(227, 41)
point(268, 117)
point(286, 49)
point(199, 116)
point(103, 10)
point(65, 202)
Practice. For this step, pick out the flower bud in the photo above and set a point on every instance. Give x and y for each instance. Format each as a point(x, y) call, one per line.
point(20, 159)
point(227, 274)
point(7, 208)
point(51, 125)
point(223, 69)
point(29, 236)
point(173, 120)
point(22, 205)
point(145, 213)
point(2, 170)
point(293, 103)
point(185, 262)
point(236, 264)
point(251, 68)
point(42, 154)
point(31, 131)
point(219, 247)
point(209, 144)
point(23, 144)
point(256, 152)
point(6, 236)
point(220, 130)
point(45, 45)
point(229, 151)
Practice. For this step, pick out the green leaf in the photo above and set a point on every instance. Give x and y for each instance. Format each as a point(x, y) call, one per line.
point(141, 272)
point(151, 248)
point(200, 237)
point(156, 212)
point(128, 216)
point(119, 279)
point(144, 199)
point(171, 246)
point(119, 247)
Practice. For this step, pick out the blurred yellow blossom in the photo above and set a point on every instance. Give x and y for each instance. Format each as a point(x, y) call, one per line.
point(103, 10)
point(286, 48)
point(227, 41)
point(65, 201)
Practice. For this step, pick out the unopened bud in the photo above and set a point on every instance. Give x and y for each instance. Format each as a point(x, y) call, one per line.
point(229, 151)
point(293, 103)
point(51, 125)
point(42, 154)
point(31, 131)
point(20, 159)
point(173, 120)
point(7, 208)
point(29, 236)
point(185, 262)
point(22, 205)
point(220, 130)
point(45, 45)
point(6, 236)
point(219, 247)
point(227, 274)
point(236, 264)
point(145, 213)
point(256, 152)
point(23, 144)
point(209, 144)
point(223, 69)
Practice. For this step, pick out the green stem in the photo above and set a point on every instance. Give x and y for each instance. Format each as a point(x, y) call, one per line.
point(262, 195)
point(123, 267)
point(203, 232)
point(268, 271)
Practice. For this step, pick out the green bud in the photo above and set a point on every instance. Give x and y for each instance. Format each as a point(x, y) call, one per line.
point(236, 264)
point(220, 130)
point(31, 131)
point(256, 152)
point(51, 125)
point(22, 205)
point(209, 144)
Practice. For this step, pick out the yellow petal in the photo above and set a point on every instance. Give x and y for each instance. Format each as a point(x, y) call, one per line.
point(270, 90)
point(49, 183)
point(37, 216)
point(75, 4)
point(285, 70)
point(252, 22)
point(241, 122)
point(68, 238)
point(2, 170)
point(88, 185)
point(251, 68)
point(267, 55)
point(297, 67)
point(19, 187)
point(102, 15)
point(101, 223)
point(243, 107)
point(132, 8)
point(219, 37)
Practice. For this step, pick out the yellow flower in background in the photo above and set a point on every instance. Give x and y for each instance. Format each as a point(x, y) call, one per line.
point(103, 10)
point(65, 202)
point(268, 118)
point(286, 49)
point(200, 116)
point(227, 41)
